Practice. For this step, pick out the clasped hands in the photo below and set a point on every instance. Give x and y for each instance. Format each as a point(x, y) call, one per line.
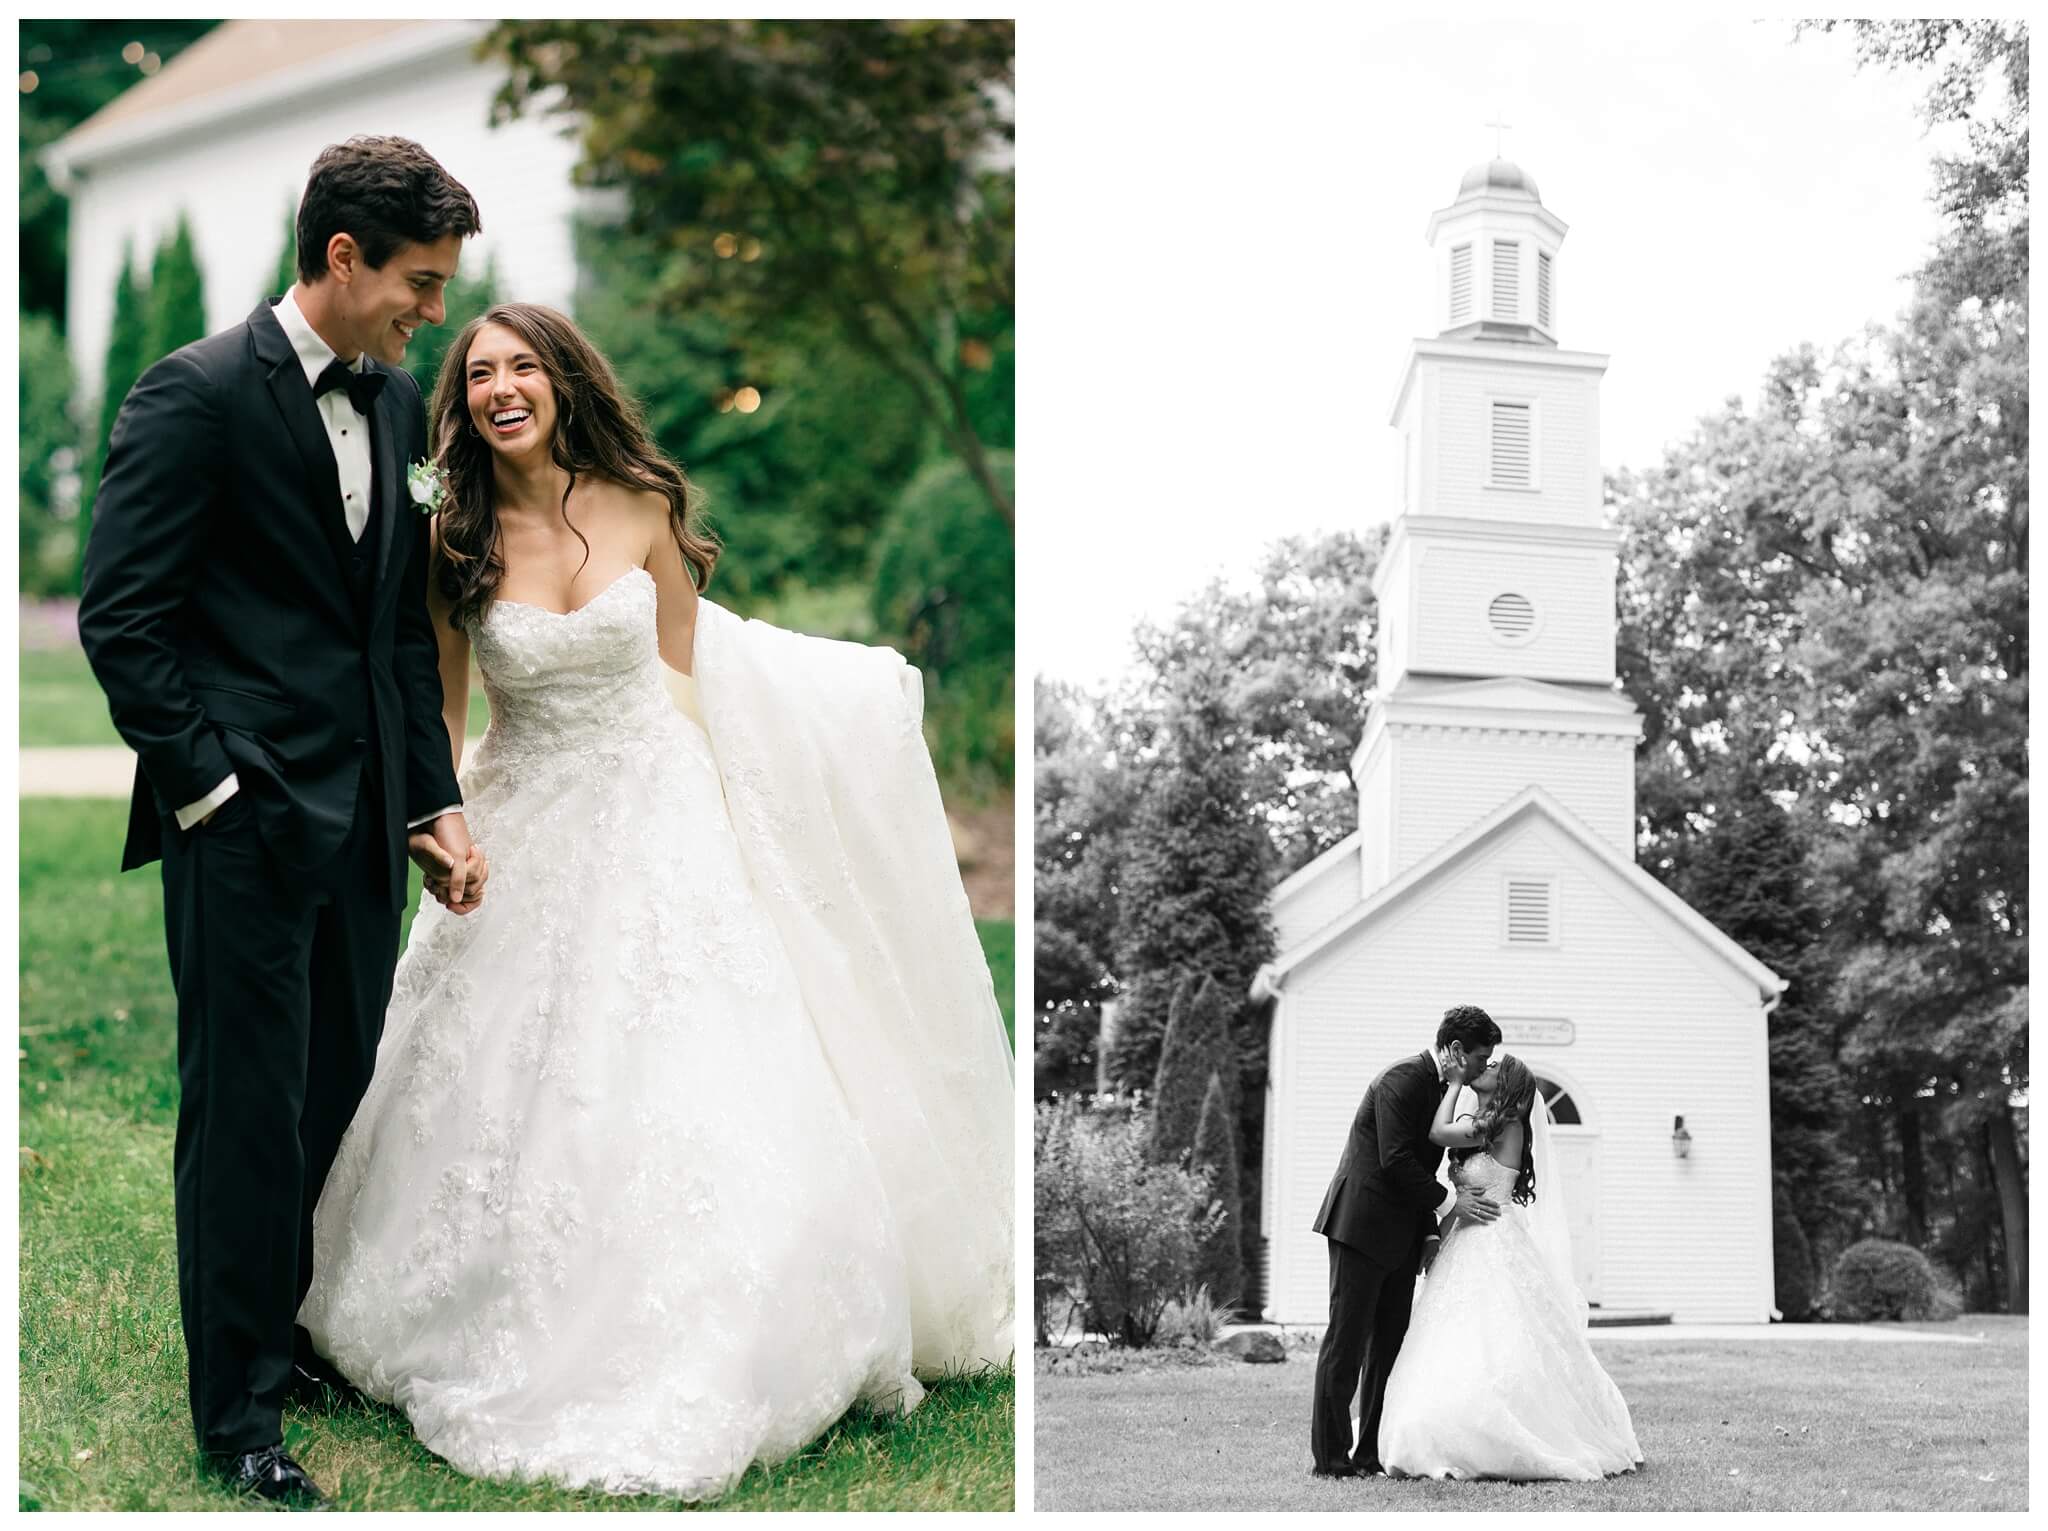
point(453, 868)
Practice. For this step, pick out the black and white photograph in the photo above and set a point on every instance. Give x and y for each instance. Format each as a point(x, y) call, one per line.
point(1529, 773)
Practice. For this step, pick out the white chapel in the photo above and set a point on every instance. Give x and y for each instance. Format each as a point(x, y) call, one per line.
point(1493, 862)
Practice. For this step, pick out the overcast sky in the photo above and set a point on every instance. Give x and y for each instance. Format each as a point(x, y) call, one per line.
point(1222, 260)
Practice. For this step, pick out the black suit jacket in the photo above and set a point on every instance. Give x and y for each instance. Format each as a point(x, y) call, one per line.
point(1381, 1199)
point(220, 616)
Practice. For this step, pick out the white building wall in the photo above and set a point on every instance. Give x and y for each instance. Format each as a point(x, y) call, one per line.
point(1376, 794)
point(1571, 589)
point(1451, 778)
point(1661, 1028)
point(1457, 415)
point(1310, 903)
point(235, 179)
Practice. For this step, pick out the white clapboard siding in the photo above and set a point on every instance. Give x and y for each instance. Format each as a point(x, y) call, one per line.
point(235, 175)
point(1456, 420)
point(1661, 1028)
point(1453, 778)
point(1447, 609)
point(1317, 893)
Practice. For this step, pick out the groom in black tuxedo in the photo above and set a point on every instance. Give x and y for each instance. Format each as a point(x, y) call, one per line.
point(255, 609)
point(1378, 1214)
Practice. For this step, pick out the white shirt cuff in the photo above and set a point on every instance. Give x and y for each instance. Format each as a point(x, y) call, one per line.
point(1450, 1200)
point(192, 813)
point(416, 823)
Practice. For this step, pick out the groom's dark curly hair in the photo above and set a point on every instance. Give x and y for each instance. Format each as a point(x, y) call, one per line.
point(383, 192)
point(1469, 1027)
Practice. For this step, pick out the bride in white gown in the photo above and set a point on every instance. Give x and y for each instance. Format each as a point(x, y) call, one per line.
point(694, 1131)
point(1495, 1378)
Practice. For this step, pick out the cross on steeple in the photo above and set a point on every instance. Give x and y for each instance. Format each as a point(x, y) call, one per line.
point(1498, 127)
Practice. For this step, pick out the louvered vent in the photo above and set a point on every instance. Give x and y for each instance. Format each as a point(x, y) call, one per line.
point(1543, 288)
point(1507, 298)
point(1529, 913)
point(1513, 617)
point(1461, 284)
point(1511, 446)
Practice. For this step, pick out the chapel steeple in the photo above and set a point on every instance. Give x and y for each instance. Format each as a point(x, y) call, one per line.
point(1495, 637)
point(1496, 257)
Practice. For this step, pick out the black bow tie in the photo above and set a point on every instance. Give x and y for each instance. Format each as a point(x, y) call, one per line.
point(363, 387)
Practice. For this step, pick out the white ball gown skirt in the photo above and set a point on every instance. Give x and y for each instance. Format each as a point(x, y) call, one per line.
point(605, 1216)
point(1495, 1378)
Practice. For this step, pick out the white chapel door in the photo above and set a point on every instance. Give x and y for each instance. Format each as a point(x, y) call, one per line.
point(1577, 1147)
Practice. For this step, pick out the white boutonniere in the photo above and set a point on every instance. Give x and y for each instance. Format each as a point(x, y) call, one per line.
point(427, 486)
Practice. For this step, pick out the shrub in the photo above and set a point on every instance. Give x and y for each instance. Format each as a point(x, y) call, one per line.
point(48, 505)
point(1877, 1279)
point(1221, 1261)
point(1193, 1316)
point(1115, 1232)
point(1792, 1258)
point(945, 585)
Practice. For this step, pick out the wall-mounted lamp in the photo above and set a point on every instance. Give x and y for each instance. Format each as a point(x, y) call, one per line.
point(1681, 1140)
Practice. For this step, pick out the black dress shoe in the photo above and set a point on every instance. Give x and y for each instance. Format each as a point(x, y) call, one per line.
point(1342, 1470)
point(270, 1474)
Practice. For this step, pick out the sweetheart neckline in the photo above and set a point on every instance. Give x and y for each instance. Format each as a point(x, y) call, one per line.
point(549, 611)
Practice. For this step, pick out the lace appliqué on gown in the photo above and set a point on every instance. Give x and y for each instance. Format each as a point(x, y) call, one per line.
point(1495, 1378)
point(604, 1217)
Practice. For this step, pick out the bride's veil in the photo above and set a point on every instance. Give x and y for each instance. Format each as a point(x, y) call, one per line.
point(1547, 1220)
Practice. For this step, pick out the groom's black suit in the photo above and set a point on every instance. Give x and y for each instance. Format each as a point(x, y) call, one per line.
point(237, 627)
point(1375, 1214)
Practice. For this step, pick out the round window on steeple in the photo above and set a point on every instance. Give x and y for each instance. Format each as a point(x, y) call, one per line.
point(1512, 618)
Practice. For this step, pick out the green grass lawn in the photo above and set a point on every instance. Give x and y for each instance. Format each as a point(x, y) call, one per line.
point(102, 1413)
point(1786, 1425)
point(61, 704)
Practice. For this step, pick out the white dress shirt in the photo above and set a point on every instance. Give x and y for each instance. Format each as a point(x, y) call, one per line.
point(348, 433)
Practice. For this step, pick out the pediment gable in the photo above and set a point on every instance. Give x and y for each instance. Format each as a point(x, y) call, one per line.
point(1533, 804)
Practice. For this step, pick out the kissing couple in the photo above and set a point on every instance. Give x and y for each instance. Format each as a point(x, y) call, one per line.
point(684, 1122)
point(1485, 1370)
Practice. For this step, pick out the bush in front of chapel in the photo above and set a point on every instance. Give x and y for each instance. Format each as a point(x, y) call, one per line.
point(1118, 1235)
point(1878, 1279)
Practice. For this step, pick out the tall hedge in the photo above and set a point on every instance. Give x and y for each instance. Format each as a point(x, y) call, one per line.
point(177, 296)
point(127, 355)
point(1220, 1264)
point(1791, 1258)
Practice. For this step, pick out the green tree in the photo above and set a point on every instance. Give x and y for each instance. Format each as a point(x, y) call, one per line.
point(1296, 677)
point(798, 486)
point(1187, 1057)
point(1082, 801)
point(1193, 884)
point(945, 583)
point(177, 297)
point(1220, 1264)
point(1748, 869)
point(69, 70)
point(49, 460)
point(858, 172)
point(127, 356)
point(286, 275)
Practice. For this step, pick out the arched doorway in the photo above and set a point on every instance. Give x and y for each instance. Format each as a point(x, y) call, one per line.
point(1576, 1143)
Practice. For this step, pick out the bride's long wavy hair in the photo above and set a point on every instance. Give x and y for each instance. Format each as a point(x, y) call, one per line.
point(1513, 1098)
point(599, 431)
